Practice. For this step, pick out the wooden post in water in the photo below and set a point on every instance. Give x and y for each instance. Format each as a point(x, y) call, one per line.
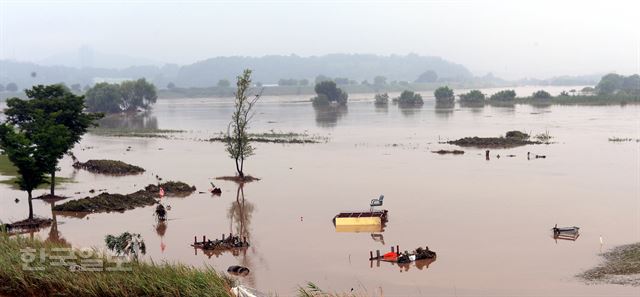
point(370, 255)
point(195, 239)
point(378, 254)
point(486, 154)
point(398, 248)
point(222, 236)
point(392, 249)
point(204, 239)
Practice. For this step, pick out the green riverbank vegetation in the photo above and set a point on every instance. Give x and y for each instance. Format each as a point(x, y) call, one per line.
point(142, 279)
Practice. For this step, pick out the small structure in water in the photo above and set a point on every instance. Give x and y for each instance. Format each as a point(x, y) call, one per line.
point(566, 233)
point(366, 218)
point(229, 243)
point(372, 219)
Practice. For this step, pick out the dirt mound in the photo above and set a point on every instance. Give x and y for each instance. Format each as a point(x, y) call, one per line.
point(172, 188)
point(238, 179)
point(112, 167)
point(106, 202)
point(511, 139)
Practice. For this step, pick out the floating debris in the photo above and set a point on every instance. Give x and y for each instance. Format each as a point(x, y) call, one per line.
point(238, 270)
point(511, 139)
point(395, 256)
point(228, 243)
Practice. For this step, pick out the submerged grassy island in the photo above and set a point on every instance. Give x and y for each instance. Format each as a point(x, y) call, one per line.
point(621, 266)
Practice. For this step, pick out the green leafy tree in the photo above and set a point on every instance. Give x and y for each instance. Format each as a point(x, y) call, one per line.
point(137, 94)
point(609, 84)
point(381, 99)
point(223, 83)
point(473, 96)
point(541, 94)
point(428, 76)
point(328, 93)
point(23, 152)
point(127, 96)
point(56, 113)
point(12, 87)
point(504, 95)
point(409, 99)
point(104, 97)
point(238, 145)
point(444, 94)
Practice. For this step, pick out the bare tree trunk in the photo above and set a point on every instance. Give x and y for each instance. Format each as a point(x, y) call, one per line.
point(242, 166)
point(239, 169)
point(30, 206)
point(53, 182)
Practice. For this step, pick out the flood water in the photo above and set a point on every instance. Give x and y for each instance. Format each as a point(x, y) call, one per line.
point(488, 220)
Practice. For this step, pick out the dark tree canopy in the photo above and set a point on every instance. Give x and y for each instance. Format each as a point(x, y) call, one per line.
point(474, 96)
point(612, 83)
point(504, 95)
point(127, 96)
point(409, 99)
point(428, 76)
point(444, 94)
point(541, 94)
point(328, 93)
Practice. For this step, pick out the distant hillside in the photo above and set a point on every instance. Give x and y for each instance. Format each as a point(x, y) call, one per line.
point(267, 69)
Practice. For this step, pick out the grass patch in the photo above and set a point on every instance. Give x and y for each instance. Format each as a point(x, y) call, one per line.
point(621, 266)
point(139, 133)
point(144, 279)
point(276, 137)
point(622, 139)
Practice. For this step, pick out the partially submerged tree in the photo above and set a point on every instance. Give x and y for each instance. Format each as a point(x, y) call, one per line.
point(53, 119)
point(444, 95)
point(328, 93)
point(473, 96)
point(409, 99)
point(381, 99)
point(130, 244)
point(238, 144)
point(541, 94)
point(504, 95)
point(127, 96)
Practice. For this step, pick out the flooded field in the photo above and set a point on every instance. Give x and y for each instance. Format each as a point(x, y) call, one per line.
point(488, 220)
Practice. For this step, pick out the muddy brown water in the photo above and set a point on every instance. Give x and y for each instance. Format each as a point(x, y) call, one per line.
point(489, 221)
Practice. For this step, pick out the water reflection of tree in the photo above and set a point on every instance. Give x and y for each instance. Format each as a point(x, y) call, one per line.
point(409, 111)
point(161, 230)
point(240, 213)
point(142, 121)
point(328, 116)
point(444, 108)
point(54, 233)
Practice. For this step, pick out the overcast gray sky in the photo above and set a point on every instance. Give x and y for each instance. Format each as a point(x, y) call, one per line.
point(512, 39)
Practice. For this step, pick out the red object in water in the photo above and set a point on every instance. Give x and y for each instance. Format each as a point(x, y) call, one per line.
point(390, 256)
point(161, 192)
